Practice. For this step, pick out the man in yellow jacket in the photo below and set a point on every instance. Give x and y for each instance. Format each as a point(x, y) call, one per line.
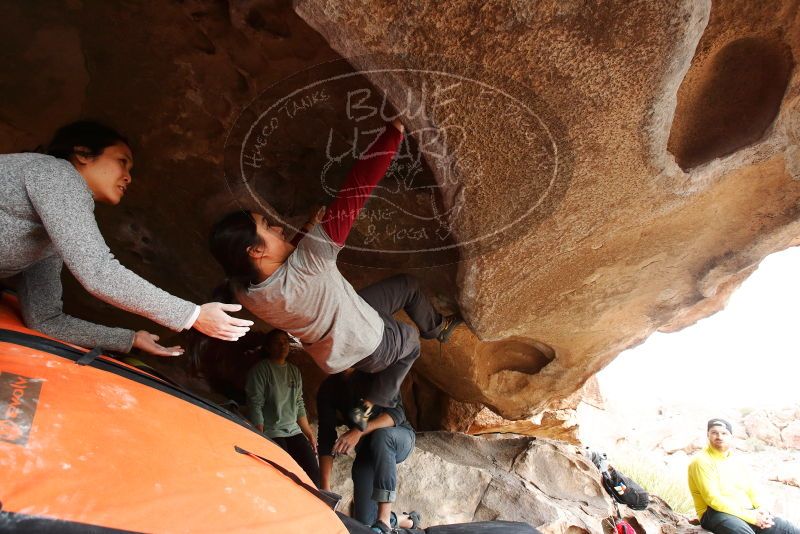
point(724, 496)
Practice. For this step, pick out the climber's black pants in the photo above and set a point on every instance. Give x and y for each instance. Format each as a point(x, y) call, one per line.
point(722, 523)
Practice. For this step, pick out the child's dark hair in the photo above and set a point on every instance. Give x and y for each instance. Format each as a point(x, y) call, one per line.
point(93, 136)
point(274, 334)
point(230, 238)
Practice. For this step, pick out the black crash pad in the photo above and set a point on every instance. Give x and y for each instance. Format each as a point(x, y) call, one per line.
point(483, 527)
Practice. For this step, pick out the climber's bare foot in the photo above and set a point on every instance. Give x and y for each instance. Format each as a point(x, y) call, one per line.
point(403, 521)
point(409, 520)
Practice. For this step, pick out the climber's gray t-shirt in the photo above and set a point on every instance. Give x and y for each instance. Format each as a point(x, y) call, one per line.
point(309, 298)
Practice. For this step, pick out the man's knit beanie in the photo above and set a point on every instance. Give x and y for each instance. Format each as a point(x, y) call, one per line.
point(719, 422)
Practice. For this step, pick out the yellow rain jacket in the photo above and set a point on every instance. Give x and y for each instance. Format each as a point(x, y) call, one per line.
point(718, 480)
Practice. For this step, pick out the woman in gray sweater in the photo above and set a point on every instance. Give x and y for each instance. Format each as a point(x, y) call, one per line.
point(47, 220)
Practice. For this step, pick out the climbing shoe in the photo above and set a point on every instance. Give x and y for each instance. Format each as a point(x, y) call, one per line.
point(449, 324)
point(360, 415)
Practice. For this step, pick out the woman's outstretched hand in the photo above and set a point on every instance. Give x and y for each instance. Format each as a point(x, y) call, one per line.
point(144, 340)
point(214, 322)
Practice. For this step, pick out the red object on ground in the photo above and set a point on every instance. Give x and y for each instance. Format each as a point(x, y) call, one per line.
point(623, 527)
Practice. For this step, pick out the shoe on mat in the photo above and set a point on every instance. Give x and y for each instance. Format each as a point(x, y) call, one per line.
point(382, 528)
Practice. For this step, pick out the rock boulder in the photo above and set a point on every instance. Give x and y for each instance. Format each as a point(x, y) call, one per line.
point(548, 484)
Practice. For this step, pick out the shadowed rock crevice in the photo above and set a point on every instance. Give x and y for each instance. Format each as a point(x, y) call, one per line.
point(492, 373)
point(519, 356)
point(731, 102)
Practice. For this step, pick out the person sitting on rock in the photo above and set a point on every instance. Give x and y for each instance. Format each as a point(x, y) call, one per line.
point(723, 494)
point(300, 289)
point(275, 400)
point(387, 440)
point(47, 206)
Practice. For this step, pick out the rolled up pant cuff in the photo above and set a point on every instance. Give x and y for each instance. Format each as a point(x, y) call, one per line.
point(382, 495)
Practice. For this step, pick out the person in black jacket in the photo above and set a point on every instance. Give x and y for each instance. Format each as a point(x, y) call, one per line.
point(387, 441)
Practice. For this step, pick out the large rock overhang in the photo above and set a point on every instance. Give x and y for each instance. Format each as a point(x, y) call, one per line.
point(660, 165)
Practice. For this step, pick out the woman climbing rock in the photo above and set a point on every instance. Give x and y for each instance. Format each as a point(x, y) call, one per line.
point(300, 289)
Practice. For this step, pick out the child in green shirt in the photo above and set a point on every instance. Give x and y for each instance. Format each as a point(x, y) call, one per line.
point(275, 399)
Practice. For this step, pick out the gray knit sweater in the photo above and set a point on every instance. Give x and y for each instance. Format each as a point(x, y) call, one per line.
point(46, 220)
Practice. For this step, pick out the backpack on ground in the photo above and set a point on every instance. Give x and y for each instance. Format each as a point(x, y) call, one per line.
point(621, 488)
point(624, 490)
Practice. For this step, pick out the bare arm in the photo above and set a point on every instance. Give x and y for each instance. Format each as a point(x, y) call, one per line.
point(308, 432)
point(384, 420)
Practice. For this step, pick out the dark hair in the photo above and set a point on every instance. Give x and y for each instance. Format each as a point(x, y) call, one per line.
point(270, 337)
point(94, 136)
point(272, 334)
point(230, 238)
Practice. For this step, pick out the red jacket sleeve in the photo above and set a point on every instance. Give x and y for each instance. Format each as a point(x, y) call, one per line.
point(358, 186)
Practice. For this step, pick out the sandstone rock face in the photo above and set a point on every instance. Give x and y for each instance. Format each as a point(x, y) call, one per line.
point(454, 477)
point(672, 125)
point(475, 419)
point(588, 173)
point(555, 424)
